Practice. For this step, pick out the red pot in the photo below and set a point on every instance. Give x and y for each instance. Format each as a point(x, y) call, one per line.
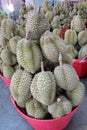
point(80, 65)
point(52, 124)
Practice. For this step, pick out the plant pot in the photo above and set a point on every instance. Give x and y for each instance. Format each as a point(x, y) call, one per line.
point(6, 80)
point(63, 32)
point(80, 65)
point(51, 124)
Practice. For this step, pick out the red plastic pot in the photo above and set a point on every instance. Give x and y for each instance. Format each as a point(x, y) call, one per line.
point(6, 80)
point(52, 124)
point(80, 66)
point(63, 32)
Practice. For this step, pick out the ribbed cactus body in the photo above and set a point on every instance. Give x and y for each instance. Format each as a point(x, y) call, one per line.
point(65, 75)
point(3, 41)
point(43, 87)
point(20, 87)
point(8, 71)
point(28, 55)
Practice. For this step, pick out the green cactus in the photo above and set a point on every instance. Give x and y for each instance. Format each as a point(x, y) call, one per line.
point(82, 38)
point(83, 52)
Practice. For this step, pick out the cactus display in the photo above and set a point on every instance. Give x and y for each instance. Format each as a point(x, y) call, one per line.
point(70, 37)
point(83, 52)
point(8, 57)
point(43, 87)
point(76, 95)
point(36, 24)
point(7, 27)
point(28, 55)
point(60, 108)
point(82, 37)
point(36, 109)
point(20, 87)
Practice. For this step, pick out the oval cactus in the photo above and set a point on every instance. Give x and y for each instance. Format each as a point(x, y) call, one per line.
point(3, 41)
point(35, 109)
point(36, 24)
point(82, 38)
point(28, 55)
point(70, 37)
point(20, 87)
point(60, 108)
point(76, 95)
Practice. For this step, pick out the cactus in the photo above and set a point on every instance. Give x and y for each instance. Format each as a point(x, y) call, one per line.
point(3, 41)
point(76, 95)
point(35, 109)
point(60, 108)
point(36, 24)
point(49, 15)
point(28, 55)
point(20, 87)
point(43, 87)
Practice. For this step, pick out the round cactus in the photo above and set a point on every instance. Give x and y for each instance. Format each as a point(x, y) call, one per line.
point(76, 95)
point(20, 87)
